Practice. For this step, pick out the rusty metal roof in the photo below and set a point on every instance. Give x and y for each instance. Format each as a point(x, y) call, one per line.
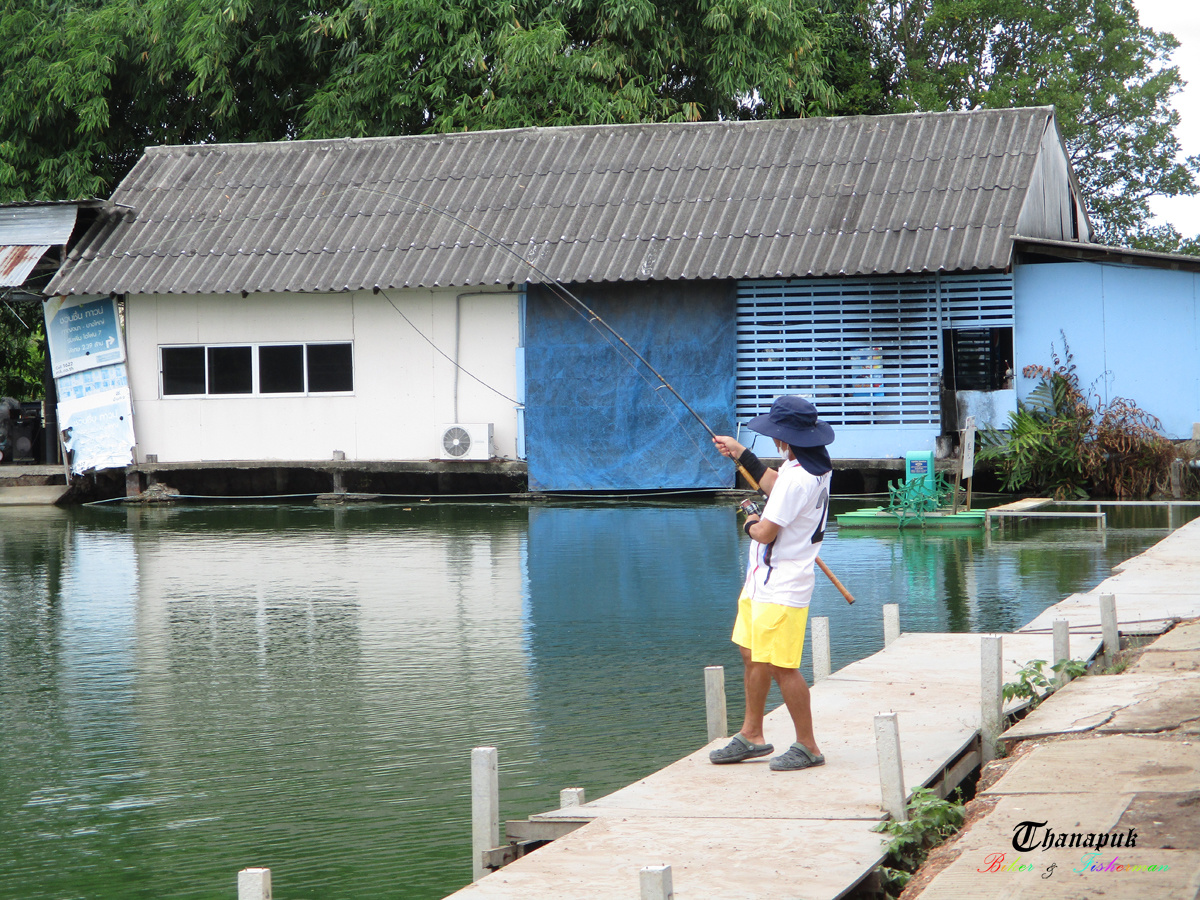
point(17, 261)
point(710, 200)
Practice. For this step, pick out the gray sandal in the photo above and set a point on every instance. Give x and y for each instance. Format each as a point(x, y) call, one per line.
point(740, 749)
point(795, 757)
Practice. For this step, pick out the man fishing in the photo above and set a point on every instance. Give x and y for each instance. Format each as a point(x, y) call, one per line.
point(773, 606)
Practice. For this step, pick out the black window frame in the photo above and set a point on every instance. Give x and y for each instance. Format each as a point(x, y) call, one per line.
point(166, 378)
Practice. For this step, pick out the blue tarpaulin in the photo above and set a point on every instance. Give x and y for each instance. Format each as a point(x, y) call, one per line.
point(593, 422)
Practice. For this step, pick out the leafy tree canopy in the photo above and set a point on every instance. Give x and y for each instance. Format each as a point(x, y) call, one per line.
point(1108, 77)
point(85, 85)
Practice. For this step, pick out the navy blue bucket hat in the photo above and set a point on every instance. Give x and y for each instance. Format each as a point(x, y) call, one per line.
point(794, 421)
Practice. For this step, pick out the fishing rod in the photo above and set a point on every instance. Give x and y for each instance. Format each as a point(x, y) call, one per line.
point(565, 294)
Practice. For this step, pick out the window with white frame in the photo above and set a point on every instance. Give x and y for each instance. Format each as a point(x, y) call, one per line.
point(239, 369)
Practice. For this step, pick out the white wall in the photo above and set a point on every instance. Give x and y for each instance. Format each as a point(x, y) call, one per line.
point(403, 388)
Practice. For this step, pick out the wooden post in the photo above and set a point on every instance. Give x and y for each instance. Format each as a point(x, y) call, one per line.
point(822, 665)
point(485, 807)
point(891, 622)
point(1108, 628)
point(1062, 646)
point(254, 884)
point(568, 798)
point(991, 694)
point(656, 883)
point(891, 767)
point(714, 703)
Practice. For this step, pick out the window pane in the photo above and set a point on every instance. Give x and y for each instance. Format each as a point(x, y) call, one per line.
point(183, 370)
point(330, 368)
point(281, 369)
point(229, 370)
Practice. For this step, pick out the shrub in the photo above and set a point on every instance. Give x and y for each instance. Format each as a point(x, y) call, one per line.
point(1058, 442)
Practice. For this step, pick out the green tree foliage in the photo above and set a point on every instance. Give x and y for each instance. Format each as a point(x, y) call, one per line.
point(1109, 78)
point(86, 85)
point(22, 359)
point(1063, 443)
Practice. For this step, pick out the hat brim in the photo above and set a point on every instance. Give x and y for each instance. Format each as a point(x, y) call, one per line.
point(818, 435)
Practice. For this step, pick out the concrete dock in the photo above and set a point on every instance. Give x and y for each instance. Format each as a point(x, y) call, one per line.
point(1107, 756)
point(743, 831)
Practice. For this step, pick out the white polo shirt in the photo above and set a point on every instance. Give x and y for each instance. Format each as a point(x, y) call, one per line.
point(782, 572)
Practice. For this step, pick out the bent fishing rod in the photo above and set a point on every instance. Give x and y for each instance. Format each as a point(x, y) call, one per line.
point(565, 294)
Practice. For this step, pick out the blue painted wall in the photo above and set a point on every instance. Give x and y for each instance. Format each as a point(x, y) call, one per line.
point(594, 423)
point(1134, 332)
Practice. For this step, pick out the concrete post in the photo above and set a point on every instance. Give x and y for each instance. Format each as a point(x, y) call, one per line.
point(714, 703)
point(891, 622)
point(656, 883)
point(1108, 628)
point(571, 797)
point(822, 666)
point(254, 884)
point(1062, 646)
point(485, 807)
point(991, 694)
point(1177, 479)
point(891, 767)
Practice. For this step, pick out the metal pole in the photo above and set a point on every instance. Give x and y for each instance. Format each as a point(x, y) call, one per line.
point(485, 807)
point(715, 709)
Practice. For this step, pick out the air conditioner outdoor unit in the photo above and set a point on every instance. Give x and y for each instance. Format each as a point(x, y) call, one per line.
point(467, 441)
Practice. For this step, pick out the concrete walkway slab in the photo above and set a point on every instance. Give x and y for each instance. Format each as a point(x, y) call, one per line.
point(735, 859)
point(1112, 764)
point(1130, 703)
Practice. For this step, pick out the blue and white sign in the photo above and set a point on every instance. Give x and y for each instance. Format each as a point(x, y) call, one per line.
point(97, 431)
point(83, 333)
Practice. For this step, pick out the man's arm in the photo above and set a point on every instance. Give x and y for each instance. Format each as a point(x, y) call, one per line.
point(730, 447)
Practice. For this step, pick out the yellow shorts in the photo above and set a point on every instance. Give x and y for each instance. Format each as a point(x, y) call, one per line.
point(772, 633)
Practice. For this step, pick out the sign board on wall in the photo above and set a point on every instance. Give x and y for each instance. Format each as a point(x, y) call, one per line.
point(968, 448)
point(87, 357)
point(82, 333)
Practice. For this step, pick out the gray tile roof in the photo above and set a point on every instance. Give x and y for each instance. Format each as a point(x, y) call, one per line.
point(782, 198)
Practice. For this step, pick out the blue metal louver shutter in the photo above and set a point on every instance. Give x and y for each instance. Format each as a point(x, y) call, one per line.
point(866, 351)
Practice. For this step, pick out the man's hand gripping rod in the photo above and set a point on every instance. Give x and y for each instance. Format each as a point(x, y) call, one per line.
point(820, 562)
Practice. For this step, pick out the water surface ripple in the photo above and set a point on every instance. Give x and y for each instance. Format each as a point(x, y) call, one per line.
point(186, 692)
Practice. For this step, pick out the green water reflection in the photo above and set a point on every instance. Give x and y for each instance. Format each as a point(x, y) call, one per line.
point(186, 692)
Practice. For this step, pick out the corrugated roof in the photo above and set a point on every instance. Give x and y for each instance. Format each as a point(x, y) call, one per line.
point(17, 261)
point(781, 198)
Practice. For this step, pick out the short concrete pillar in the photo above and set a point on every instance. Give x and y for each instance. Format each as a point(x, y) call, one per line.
point(821, 662)
point(485, 806)
point(991, 694)
point(714, 703)
point(656, 883)
point(891, 622)
point(254, 884)
point(1062, 646)
point(571, 797)
point(1108, 628)
point(133, 482)
point(891, 766)
point(1177, 479)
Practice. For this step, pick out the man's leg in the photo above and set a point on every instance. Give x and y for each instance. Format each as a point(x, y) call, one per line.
point(757, 680)
point(795, 695)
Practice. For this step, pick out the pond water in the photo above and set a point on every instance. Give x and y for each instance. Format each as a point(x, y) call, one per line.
point(186, 692)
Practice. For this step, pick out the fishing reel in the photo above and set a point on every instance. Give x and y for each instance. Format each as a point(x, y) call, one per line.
point(751, 507)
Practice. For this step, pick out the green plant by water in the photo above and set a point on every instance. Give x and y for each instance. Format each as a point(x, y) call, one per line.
point(1034, 684)
point(930, 821)
point(1066, 443)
